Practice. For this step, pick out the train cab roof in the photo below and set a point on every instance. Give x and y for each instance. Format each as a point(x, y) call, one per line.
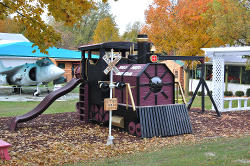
point(107, 46)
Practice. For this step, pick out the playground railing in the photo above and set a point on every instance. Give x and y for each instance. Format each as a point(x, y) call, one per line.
point(240, 106)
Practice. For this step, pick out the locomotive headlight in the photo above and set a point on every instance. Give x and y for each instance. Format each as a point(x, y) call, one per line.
point(155, 84)
point(103, 86)
point(120, 85)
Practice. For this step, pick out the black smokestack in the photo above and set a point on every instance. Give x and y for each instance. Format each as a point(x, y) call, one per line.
point(143, 48)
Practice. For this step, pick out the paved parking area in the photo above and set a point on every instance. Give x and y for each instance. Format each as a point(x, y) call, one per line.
point(27, 94)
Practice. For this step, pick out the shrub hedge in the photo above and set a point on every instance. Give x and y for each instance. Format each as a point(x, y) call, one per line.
point(228, 93)
point(239, 93)
point(199, 93)
point(190, 93)
point(248, 92)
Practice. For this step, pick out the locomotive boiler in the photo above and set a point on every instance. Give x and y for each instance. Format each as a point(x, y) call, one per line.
point(144, 89)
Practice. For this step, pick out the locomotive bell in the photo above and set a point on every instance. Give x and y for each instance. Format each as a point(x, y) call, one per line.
point(152, 48)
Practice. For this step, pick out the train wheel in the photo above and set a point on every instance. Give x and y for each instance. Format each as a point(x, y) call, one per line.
point(138, 129)
point(131, 128)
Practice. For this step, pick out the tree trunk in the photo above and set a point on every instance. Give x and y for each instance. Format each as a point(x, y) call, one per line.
point(186, 88)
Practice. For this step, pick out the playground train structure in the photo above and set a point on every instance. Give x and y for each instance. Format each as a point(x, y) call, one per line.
point(145, 90)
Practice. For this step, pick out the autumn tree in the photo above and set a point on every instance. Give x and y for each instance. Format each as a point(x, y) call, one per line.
point(180, 28)
point(8, 25)
point(28, 13)
point(132, 31)
point(106, 31)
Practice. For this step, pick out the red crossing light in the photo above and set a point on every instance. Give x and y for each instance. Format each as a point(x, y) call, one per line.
point(153, 58)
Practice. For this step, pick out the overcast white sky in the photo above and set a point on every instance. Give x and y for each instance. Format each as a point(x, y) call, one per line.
point(128, 11)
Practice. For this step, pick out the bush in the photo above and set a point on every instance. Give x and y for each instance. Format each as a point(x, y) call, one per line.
point(228, 93)
point(248, 92)
point(190, 93)
point(239, 93)
point(211, 92)
point(199, 93)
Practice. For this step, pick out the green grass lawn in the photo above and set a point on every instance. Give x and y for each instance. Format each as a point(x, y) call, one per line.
point(224, 151)
point(19, 108)
point(208, 103)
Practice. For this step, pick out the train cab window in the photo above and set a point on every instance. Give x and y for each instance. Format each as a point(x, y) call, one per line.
point(61, 65)
point(94, 58)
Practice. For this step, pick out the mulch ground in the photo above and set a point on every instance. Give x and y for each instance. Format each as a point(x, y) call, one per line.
point(62, 138)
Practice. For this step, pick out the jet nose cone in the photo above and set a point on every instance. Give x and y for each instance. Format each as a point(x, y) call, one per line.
point(55, 72)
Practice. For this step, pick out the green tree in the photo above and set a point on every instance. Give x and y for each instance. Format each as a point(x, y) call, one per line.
point(106, 31)
point(28, 13)
point(81, 33)
point(84, 34)
point(132, 31)
point(231, 21)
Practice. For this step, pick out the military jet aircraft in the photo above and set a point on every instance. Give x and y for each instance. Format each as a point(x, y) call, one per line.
point(41, 72)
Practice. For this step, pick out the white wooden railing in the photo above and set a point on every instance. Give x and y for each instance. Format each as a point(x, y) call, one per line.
point(240, 107)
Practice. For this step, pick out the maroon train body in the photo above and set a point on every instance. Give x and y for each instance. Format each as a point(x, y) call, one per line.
point(149, 109)
point(142, 77)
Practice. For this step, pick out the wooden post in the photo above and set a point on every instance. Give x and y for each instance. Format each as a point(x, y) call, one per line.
point(195, 72)
point(131, 96)
point(226, 79)
point(177, 95)
point(182, 93)
point(241, 75)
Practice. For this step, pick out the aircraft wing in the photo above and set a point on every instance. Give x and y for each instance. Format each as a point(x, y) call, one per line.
point(10, 70)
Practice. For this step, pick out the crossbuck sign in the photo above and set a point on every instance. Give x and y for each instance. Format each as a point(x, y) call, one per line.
point(109, 59)
point(111, 64)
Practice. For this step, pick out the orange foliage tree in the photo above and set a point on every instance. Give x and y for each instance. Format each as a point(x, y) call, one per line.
point(180, 28)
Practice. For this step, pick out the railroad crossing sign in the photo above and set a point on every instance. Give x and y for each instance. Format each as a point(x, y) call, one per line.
point(112, 104)
point(111, 64)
